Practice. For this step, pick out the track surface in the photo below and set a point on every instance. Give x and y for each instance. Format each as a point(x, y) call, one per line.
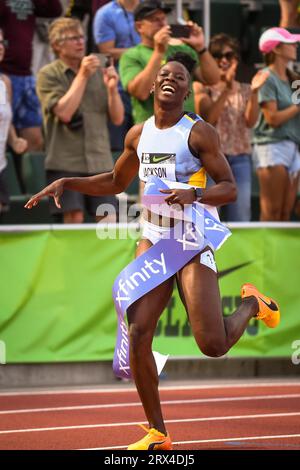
point(232, 416)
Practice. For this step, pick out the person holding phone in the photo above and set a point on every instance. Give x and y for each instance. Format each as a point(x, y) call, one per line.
point(77, 96)
point(114, 33)
point(140, 64)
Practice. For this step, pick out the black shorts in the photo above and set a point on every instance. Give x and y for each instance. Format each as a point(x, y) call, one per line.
point(4, 193)
point(72, 200)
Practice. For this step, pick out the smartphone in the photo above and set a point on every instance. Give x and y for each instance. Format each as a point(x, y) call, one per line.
point(106, 60)
point(180, 30)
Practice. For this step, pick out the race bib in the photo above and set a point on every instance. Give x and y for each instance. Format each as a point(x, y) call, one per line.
point(161, 165)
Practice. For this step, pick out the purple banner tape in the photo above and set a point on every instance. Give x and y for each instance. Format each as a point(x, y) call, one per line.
point(161, 262)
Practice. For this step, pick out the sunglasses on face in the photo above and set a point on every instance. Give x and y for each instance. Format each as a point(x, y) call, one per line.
point(226, 55)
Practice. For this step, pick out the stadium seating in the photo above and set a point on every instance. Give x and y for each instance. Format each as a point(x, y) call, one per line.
point(17, 213)
point(33, 170)
point(12, 178)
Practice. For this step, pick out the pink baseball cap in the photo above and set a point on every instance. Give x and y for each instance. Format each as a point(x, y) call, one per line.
point(274, 36)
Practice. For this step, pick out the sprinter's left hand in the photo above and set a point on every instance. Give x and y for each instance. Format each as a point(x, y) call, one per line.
point(179, 196)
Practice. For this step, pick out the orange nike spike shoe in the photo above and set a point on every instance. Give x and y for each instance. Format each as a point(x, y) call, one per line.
point(154, 440)
point(268, 309)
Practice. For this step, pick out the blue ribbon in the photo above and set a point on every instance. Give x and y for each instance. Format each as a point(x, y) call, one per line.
point(197, 229)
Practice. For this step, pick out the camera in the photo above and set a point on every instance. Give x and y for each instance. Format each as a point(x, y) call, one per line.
point(108, 61)
point(180, 30)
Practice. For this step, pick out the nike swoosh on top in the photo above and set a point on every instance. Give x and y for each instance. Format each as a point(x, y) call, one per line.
point(159, 159)
point(153, 444)
point(272, 306)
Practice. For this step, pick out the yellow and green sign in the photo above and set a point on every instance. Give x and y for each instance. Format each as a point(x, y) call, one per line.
point(56, 303)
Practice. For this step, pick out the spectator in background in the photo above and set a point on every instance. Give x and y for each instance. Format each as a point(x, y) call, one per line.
point(7, 131)
point(232, 105)
point(114, 27)
point(17, 20)
point(76, 98)
point(114, 33)
point(277, 137)
point(289, 17)
point(140, 64)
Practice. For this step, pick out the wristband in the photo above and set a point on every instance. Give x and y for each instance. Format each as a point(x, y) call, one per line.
point(198, 193)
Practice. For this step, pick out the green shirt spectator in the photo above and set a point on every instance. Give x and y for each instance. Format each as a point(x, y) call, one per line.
point(139, 65)
point(280, 91)
point(134, 61)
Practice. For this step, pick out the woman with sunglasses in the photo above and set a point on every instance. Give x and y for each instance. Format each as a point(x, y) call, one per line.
point(7, 133)
point(232, 108)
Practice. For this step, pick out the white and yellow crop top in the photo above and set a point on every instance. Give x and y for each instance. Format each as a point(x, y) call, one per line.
point(165, 153)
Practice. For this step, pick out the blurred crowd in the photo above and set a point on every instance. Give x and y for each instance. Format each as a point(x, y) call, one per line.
point(76, 75)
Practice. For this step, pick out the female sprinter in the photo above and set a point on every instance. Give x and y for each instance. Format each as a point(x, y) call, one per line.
point(196, 147)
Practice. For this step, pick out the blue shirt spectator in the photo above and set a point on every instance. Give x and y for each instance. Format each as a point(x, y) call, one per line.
point(113, 22)
point(114, 33)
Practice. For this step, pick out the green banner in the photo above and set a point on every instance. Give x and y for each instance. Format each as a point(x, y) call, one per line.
point(56, 303)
